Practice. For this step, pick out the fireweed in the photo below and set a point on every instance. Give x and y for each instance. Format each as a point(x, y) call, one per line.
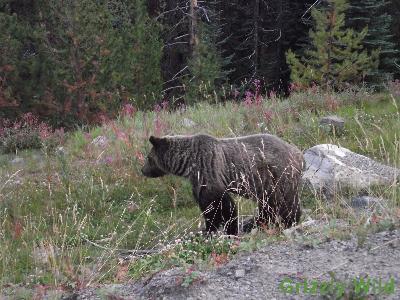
point(28, 132)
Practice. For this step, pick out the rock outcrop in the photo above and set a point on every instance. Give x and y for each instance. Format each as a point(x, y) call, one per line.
point(330, 168)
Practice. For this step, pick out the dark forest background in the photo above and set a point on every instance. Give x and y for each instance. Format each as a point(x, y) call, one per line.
point(78, 61)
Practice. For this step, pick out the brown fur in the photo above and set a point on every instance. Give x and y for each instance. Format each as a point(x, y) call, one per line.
point(261, 167)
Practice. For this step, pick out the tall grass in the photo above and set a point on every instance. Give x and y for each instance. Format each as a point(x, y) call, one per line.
point(64, 220)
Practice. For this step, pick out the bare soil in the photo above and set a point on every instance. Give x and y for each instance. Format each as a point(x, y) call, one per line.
point(259, 274)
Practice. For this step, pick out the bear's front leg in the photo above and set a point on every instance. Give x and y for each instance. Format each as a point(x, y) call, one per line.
point(218, 209)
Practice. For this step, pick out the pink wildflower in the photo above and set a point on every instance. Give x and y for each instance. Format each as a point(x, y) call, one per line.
point(108, 160)
point(248, 100)
point(268, 116)
point(164, 105)
point(45, 131)
point(128, 110)
point(157, 108)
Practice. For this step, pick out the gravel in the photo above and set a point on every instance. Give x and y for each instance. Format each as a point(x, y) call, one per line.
point(259, 274)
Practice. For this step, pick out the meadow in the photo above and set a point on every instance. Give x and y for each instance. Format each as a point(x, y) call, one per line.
point(69, 213)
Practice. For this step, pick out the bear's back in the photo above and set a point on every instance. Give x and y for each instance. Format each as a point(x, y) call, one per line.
point(264, 148)
point(265, 142)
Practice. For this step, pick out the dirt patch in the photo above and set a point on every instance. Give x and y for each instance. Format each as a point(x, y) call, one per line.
point(260, 274)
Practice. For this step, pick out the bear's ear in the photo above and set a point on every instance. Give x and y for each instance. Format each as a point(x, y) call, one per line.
point(158, 142)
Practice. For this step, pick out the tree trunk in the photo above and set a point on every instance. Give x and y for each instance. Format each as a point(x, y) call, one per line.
point(256, 16)
point(194, 39)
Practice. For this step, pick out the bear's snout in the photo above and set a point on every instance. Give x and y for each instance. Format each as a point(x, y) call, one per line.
point(152, 172)
point(144, 171)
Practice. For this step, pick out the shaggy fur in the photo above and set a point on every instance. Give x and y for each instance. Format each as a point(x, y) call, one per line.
point(261, 167)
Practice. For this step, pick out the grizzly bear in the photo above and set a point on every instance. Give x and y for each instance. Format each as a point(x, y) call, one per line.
point(261, 167)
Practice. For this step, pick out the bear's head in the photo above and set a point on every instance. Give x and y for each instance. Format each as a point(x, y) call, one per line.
point(154, 166)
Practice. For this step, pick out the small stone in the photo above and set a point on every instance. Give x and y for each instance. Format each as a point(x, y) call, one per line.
point(240, 273)
point(132, 207)
point(17, 160)
point(100, 141)
point(60, 151)
point(332, 124)
point(254, 231)
point(365, 202)
point(289, 232)
point(188, 123)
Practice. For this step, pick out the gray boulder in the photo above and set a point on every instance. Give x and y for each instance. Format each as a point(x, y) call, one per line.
point(330, 168)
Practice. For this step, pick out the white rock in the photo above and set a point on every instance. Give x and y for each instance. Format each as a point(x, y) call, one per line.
point(17, 160)
point(292, 231)
point(100, 141)
point(60, 151)
point(188, 123)
point(240, 273)
point(330, 167)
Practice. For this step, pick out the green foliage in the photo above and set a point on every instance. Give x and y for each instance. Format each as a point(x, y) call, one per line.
point(336, 57)
point(394, 10)
point(24, 138)
point(189, 251)
point(21, 67)
point(50, 210)
point(376, 15)
point(136, 50)
point(77, 59)
point(114, 52)
point(28, 133)
point(205, 67)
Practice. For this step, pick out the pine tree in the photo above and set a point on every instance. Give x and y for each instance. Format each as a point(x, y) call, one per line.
point(258, 34)
point(22, 65)
point(206, 66)
point(372, 14)
point(194, 64)
point(295, 26)
point(394, 10)
point(336, 56)
point(147, 54)
point(70, 60)
point(204, 69)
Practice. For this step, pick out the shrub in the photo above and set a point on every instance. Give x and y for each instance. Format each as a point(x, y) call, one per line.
point(336, 56)
point(28, 133)
point(394, 88)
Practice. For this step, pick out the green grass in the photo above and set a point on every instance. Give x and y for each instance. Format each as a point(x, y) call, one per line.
point(50, 209)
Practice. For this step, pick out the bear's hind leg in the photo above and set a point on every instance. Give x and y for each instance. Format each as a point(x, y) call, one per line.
point(290, 209)
point(281, 209)
point(280, 205)
point(267, 210)
point(268, 207)
point(229, 215)
point(218, 209)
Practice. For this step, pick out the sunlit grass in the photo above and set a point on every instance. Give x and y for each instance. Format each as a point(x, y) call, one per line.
point(65, 218)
